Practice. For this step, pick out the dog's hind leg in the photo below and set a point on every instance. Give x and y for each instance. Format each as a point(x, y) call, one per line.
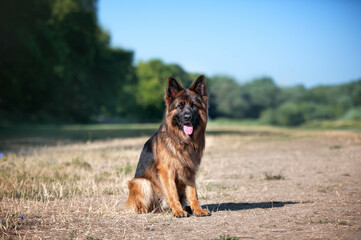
point(141, 195)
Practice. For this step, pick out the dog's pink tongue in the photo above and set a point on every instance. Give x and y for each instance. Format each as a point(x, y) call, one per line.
point(188, 129)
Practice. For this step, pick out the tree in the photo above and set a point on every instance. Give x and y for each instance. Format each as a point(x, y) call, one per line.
point(263, 93)
point(152, 79)
point(227, 98)
point(57, 64)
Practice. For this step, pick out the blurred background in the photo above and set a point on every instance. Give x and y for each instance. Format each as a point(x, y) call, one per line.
point(286, 63)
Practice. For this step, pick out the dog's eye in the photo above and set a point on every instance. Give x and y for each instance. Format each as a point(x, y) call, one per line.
point(180, 106)
point(193, 105)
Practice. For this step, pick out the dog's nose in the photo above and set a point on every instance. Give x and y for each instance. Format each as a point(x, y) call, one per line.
point(187, 117)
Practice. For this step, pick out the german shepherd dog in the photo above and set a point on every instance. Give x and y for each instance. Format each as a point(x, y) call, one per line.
point(166, 171)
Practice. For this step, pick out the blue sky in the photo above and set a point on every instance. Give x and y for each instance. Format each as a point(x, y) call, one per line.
point(294, 42)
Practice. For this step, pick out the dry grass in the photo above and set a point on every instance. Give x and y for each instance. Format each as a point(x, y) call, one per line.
point(87, 170)
point(77, 190)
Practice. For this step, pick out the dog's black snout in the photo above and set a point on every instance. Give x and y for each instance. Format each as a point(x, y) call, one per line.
point(187, 117)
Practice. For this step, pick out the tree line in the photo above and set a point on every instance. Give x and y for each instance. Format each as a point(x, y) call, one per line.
point(57, 65)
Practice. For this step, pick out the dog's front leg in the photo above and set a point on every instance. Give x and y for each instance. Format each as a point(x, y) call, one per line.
point(192, 199)
point(167, 179)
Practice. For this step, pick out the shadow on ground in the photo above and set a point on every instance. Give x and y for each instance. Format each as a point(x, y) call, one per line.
point(245, 206)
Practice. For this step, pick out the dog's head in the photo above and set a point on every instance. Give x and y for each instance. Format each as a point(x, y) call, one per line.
point(187, 108)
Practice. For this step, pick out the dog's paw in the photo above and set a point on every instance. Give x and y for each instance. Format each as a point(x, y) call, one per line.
point(188, 209)
point(201, 212)
point(142, 210)
point(180, 214)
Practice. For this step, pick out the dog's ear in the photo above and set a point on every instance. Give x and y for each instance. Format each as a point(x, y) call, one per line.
point(173, 88)
point(199, 86)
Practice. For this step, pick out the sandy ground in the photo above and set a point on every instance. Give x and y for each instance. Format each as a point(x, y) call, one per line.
point(259, 184)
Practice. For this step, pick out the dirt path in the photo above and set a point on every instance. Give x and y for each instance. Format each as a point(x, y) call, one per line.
point(261, 184)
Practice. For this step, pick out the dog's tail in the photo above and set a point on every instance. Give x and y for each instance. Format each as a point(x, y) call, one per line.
point(142, 197)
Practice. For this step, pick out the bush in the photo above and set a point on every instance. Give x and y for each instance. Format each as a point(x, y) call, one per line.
point(288, 114)
point(353, 114)
point(314, 111)
point(269, 116)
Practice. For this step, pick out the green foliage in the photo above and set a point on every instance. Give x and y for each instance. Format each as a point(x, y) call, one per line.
point(269, 116)
point(288, 114)
point(353, 114)
point(56, 65)
point(152, 79)
point(314, 111)
point(227, 98)
point(263, 93)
